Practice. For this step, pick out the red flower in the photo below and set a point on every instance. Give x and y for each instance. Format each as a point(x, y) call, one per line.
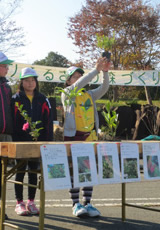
point(59, 107)
point(87, 163)
point(25, 126)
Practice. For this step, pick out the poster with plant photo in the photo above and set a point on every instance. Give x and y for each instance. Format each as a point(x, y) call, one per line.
point(84, 165)
point(108, 163)
point(151, 160)
point(55, 167)
point(130, 162)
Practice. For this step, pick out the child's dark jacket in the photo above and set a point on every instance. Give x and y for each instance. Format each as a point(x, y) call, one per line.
point(39, 110)
point(5, 108)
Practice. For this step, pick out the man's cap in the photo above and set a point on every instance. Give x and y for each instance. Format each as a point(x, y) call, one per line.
point(71, 70)
point(4, 59)
point(27, 72)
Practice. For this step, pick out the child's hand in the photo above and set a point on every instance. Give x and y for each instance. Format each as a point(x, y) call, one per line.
point(100, 63)
point(106, 66)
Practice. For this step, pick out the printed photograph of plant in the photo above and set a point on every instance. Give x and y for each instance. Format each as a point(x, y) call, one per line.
point(56, 171)
point(130, 168)
point(153, 166)
point(84, 169)
point(107, 162)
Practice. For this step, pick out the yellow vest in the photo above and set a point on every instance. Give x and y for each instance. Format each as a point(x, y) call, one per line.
point(84, 115)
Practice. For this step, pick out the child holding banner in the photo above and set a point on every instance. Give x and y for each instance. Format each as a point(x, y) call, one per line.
point(37, 108)
point(77, 128)
point(5, 109)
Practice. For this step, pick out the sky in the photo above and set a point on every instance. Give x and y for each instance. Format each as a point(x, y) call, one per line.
point(45, 26)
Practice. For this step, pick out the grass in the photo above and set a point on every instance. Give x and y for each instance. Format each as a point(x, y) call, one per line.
point(125, 102)
point(102, 102)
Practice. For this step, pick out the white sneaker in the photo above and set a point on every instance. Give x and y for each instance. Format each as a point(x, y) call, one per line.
point(79, 210)
point(92, 211)
point(21, 209)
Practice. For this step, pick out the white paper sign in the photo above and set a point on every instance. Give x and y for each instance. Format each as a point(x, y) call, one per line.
point(151, 161)
point(84, 165)
point(108, 163)
point(55, 167)
point(130, 162)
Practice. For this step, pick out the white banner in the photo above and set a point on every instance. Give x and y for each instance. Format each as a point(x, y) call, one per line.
point(116, 77)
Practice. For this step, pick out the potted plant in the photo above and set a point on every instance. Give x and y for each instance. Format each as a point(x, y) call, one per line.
point(112, 123)
point(106, 44)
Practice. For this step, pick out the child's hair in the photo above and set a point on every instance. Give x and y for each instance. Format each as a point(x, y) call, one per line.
point(69, 76)
point(20, 87)
point(66, 84)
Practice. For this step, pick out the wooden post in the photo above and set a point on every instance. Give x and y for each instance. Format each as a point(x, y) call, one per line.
point(3, 190)
point(42, 200)
point(123, 201)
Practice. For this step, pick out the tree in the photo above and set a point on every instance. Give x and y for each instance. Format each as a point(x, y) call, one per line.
point(56, 60)
point(134, 24)
point(53, 59)
point(11, 36)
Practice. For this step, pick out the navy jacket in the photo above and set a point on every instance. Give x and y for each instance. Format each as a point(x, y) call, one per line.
point(39, 110)
point(5, 107)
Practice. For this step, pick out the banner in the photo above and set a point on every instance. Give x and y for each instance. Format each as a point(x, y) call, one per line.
point(116, 77)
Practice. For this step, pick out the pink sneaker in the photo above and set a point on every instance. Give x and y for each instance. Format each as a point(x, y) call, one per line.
point(21, 209)
point(32, 209)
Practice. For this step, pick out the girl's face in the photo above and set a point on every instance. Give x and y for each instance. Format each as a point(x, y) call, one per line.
point(29, 85)
point(3, 70)
point(74, 78)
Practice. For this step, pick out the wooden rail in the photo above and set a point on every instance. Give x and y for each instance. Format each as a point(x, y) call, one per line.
point(28, 150)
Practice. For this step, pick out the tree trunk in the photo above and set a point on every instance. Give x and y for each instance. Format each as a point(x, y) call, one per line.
point(115, 93)
point(148, 96)
point(115, 87)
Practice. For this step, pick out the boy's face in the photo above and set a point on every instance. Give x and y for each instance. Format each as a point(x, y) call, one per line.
point(3, 70)
point(74, 78)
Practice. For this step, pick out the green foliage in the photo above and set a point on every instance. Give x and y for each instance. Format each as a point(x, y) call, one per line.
point(130, 168)
point(53, 59)
point(34, 131)
point(102, 102)
point(112, 122)
point(84, 169)
point(47, 88)
point(70, 94)
point(56, 171)
point(85, 177)
point(107, 167)
point(83, 164)
point(105, 42)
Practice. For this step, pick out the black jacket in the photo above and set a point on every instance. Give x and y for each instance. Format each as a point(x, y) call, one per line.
point(39, 110)
point(5, 107)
